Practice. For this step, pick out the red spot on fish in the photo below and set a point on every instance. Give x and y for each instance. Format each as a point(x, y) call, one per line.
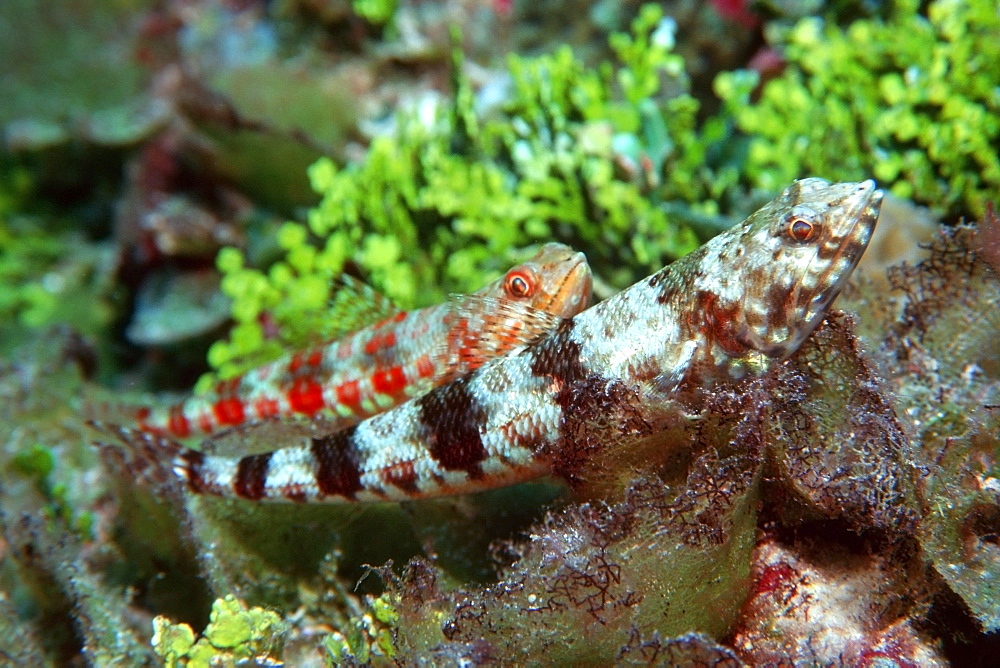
point(391, 320)
point(379, 341)
point(229, 411)
point(306, 396)
point(461, 341)
point(717, 324)
point(348, 394)
point(178, 423)
point(389, 381)
point(425, 367)
point(142, 417)
point(265, 408)
point(205, 423)
point(511, 336)
point(295, 364)
point(225, 387)
point(373, 344)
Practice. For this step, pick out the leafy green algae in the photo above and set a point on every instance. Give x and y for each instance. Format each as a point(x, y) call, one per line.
point(234, 635)
point(910, 100)
point(453, 199)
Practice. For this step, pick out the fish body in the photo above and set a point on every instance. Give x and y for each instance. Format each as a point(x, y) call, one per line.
point(397, 358)
point(731, 309)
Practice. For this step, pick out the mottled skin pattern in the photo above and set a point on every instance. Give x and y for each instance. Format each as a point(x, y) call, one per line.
point(376, 368)
point(743, 301)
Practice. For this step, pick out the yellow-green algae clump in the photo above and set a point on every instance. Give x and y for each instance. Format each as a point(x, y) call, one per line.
point(911, 100)
point(234, 635)
point(454, 197)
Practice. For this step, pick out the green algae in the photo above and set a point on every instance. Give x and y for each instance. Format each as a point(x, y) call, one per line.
point(447, 204)
point(910, 99)
point(235, 634)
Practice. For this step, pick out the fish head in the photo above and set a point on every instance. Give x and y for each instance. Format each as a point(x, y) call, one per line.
point(556, 279)
point(791, 259)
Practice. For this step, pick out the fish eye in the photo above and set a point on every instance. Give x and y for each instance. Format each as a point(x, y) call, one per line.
point(519, 284)
point(801, 230)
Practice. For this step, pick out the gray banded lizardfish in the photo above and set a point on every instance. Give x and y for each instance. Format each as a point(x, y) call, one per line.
point(732, 309)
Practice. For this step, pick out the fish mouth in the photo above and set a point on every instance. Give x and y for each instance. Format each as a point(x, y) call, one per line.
point(573, 291)
point(579, 275)
point(859, 209)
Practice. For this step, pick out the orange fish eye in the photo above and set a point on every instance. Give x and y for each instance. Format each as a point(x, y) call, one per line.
point(801, 230)
point(519, 284)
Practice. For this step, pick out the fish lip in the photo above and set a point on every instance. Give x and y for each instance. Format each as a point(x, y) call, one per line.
point(866, 210)
point(581, 270)
point(574, 291)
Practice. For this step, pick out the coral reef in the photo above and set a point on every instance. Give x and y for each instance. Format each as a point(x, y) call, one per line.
point(843, 508)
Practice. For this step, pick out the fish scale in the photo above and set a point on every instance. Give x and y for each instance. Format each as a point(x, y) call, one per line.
point(403, 355)
point(730, 310)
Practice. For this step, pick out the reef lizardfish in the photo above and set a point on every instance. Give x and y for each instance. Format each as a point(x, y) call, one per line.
point(731, 309)
point(402, 356)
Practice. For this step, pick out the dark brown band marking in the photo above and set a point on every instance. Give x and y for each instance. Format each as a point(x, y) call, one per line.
point(719, 323)
point(192, 462)
point(591, 406)
point(402, 476)
point(558, 357)
point(780, 302)
point(452, 420)
point(251, 476)
point(337, 459)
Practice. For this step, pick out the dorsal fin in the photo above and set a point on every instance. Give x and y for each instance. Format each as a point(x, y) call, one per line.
point(353, 306)
point(259, 436)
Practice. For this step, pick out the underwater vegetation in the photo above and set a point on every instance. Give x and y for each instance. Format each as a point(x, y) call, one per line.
point(449, 201)
point(910, 99)
point(843, 508)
